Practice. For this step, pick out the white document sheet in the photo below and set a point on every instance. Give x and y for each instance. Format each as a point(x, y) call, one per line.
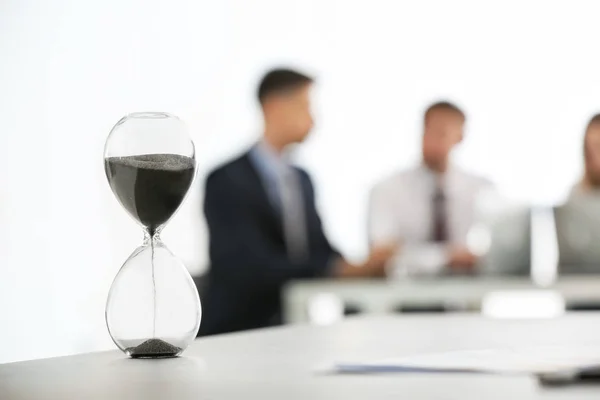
point(500, 361)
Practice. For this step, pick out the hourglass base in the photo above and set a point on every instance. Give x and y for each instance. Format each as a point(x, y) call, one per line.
point(152, 348)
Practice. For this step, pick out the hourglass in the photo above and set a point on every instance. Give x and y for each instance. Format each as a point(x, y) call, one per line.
point(153, 309)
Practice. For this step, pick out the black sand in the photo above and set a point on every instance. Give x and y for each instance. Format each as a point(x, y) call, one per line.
point(151, 186)
point(153, 348)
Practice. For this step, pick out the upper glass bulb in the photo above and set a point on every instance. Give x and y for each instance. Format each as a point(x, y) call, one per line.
point(150, 165)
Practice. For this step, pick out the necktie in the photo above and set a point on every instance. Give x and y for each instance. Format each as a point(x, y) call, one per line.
point(440, 219)
point(293, 213)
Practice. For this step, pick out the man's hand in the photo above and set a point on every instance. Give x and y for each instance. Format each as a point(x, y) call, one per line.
point(461, 260)
point(379, 258)
point(375, 265)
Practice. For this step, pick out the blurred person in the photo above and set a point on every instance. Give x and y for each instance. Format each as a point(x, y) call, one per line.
point(429, 209)
point(590, 182)
point(262, 221)
point(576, 249)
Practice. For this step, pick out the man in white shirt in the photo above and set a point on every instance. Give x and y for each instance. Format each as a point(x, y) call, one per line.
point(428, 210)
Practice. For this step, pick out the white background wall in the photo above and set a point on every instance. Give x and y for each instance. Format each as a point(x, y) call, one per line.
point(525, 71)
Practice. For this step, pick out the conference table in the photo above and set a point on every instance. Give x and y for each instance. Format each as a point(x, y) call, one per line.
point(286, 363)
point(373, 296)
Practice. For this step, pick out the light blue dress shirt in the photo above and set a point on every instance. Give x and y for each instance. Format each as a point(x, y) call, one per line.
point(283, 187)
point(270, 167)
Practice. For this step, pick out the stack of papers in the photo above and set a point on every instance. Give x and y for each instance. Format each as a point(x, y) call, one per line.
point(499, 361)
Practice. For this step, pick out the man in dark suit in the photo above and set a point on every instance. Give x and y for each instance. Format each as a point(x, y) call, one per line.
point(263, 224)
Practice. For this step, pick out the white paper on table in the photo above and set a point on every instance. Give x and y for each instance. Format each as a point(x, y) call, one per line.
point(499, 361)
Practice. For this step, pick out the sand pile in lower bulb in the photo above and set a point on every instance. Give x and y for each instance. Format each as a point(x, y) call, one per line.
point(153, 348)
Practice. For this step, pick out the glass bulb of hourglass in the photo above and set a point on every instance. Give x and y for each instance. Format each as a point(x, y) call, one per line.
point(153, 309)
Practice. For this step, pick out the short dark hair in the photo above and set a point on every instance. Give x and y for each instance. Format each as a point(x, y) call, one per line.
point(278, 80)
point(443, 106)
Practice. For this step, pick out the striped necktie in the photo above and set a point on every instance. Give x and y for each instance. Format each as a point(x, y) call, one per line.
point(440, 217)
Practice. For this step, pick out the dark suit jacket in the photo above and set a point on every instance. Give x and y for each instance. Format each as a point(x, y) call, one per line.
point(249, 259)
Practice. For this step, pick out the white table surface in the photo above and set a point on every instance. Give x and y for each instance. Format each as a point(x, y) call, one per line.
point(279, 363)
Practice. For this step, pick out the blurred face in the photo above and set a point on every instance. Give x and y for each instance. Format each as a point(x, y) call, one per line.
point(592, 154)
point(443, 131)
point(289, 115)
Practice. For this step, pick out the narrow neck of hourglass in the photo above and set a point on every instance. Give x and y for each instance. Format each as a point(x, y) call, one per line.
point(151, 237)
